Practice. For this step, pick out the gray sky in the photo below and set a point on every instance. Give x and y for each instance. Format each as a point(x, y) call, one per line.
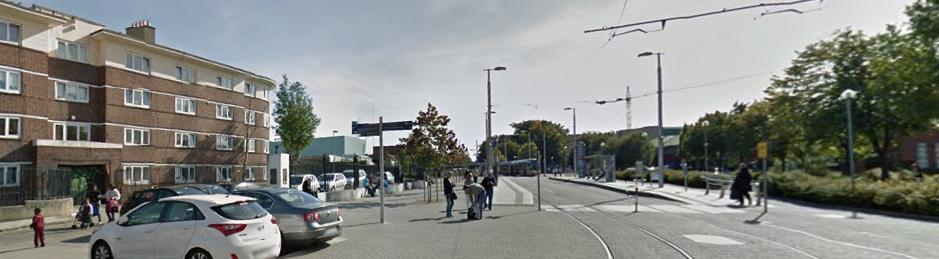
point(362, 59)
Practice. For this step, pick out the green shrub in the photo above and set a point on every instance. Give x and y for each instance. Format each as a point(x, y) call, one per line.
point(892, 195)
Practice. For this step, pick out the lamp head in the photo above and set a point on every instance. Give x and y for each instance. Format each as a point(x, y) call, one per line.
point(499, 68)
point(568, 108)
point(848, 94)
point(645, 54)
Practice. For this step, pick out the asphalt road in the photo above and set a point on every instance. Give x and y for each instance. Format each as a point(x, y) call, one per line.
point(701, 231)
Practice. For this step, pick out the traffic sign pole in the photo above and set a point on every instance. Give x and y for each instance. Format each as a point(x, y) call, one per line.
point(381, 169)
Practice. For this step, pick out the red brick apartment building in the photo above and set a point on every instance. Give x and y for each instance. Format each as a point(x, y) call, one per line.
point(112, 107)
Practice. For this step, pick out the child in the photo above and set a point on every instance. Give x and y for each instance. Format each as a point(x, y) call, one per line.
point(39, 228)
point(84, 214)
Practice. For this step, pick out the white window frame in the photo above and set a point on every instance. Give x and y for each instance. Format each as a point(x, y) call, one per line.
point(224, 112)
point(250, 117)
point(131, 59)
point(250, 146)
point(5, 132)
point(132, 133)
point(185, 174)
point(6, 76)
point(250, 175)
point(226, 170)
point(137, 174)
point(220, 80)
point(267, 120)
point(8, 169)
point(222, 144)
point(144, 98)
point(265, 147)
point(65, 130)
point(64, 51)
point(185, 140)
point(71, 92)
point(182, 76)
point(185, 105)
point(251, 90)
point(7, 36)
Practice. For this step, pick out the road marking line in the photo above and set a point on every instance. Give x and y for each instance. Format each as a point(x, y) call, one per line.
point(713, 240)
point(841, 242)
point(575, 208)
point(711, 209)
point(674, 209)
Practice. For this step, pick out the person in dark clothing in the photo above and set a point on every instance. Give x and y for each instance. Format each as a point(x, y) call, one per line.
point(84, 214)
point(39, 228)
point(742, 186)
point(308, 188)
point(449, 194)
point(488, 183)
point(94, 197)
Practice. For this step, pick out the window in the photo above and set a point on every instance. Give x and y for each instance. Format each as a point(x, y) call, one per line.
point(10, 175)
point(185, 106)
point(250, 90)
point(185, 74)
point(71, 92)
point(136, 174)
point(264, 146)
point(9, 32)
point(224, 81)
point(267, 120)
point(10, 127)
point(136, 137)
point(72, 51)
point(249, 174)
point(137, 98)
point(181, 211)
point(72, 132)
point(224, 142)
point(250, 146)
point(223, 174)
point(223, 112)
point(185, 140)
point(148, 214)
point(185, 174)
point(9, 81)
point(922, 158)
point(250, 117)
point(137, 62)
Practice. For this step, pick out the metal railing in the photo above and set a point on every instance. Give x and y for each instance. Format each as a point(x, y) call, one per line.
point(36, 184)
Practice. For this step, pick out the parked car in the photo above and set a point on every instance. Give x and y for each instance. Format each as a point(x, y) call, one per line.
point(333, 182)
point(238, 186)
point(298, 180)
point(209, 188)
point(190, 226)
point(301, 217)
point(350, 179)
point(148, 195)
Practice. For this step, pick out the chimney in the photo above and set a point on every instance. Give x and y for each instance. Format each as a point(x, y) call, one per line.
point(142, 30)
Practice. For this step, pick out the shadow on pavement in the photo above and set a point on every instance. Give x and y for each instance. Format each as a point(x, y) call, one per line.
point(79, 240)
point(455, 221)
point(361, 224)
point(291, 251)
point(14, 250)
point(367, 205)
point(426, 219)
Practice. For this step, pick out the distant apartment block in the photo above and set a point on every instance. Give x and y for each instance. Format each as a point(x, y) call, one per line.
point(121, 108)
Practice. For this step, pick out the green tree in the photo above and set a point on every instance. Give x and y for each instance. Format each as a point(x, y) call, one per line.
point(431, 144)
point(554, 134)
point(924, 18)
point(296, 122)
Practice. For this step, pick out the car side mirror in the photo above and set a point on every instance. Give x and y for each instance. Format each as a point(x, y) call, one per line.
point(122, 221)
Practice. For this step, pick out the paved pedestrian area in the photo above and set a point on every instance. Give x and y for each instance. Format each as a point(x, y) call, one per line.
point(507, 192)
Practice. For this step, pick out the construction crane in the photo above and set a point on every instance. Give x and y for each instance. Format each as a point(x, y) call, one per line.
point(629, 107)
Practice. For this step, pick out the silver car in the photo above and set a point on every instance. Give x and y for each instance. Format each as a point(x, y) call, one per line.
point(302, 218)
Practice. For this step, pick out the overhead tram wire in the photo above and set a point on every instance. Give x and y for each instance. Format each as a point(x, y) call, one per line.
point(687, 87)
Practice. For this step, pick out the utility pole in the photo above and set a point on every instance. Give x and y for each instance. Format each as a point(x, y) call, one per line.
point(381, 168)
point(661, 149)
point(629, 109)
point(489, 157)
point(574, 141)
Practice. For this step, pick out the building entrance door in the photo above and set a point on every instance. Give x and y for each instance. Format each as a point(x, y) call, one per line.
point(82, 178)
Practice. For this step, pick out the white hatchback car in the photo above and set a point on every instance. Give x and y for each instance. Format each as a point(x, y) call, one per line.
point(190, 226)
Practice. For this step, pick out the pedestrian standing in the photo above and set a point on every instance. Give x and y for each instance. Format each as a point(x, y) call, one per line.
point(449, 194)
point(488, 183)
point(476, 193)
point(93, 197)
point(742, 186)
point(39, 228)
point(467, 180)
point(113, 197)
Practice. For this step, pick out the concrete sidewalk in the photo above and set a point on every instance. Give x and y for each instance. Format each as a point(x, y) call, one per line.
point(509, 193)
point(668, 191)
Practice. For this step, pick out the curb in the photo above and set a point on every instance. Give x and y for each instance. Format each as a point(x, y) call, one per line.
point(628, 192)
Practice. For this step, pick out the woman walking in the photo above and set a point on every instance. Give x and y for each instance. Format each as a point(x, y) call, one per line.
point(742, 185)
point(449, 194)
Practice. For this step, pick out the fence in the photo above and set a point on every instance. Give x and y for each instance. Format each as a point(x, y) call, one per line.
point(36, 184)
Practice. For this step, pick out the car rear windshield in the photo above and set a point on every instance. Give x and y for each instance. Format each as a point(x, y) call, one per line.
point(297, 198)
point(240, 210)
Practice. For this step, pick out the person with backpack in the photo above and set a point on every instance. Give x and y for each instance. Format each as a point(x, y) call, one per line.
point(487, 183)
point(39, 228)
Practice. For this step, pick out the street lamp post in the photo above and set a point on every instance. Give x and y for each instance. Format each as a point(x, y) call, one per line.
point(661, 149)
point(544, 156)
point(489, 117)
point(848, 96)
point(706, 124)
point(573, 141)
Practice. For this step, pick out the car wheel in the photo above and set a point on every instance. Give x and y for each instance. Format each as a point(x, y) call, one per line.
point(101, 250)
point(198, 254)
